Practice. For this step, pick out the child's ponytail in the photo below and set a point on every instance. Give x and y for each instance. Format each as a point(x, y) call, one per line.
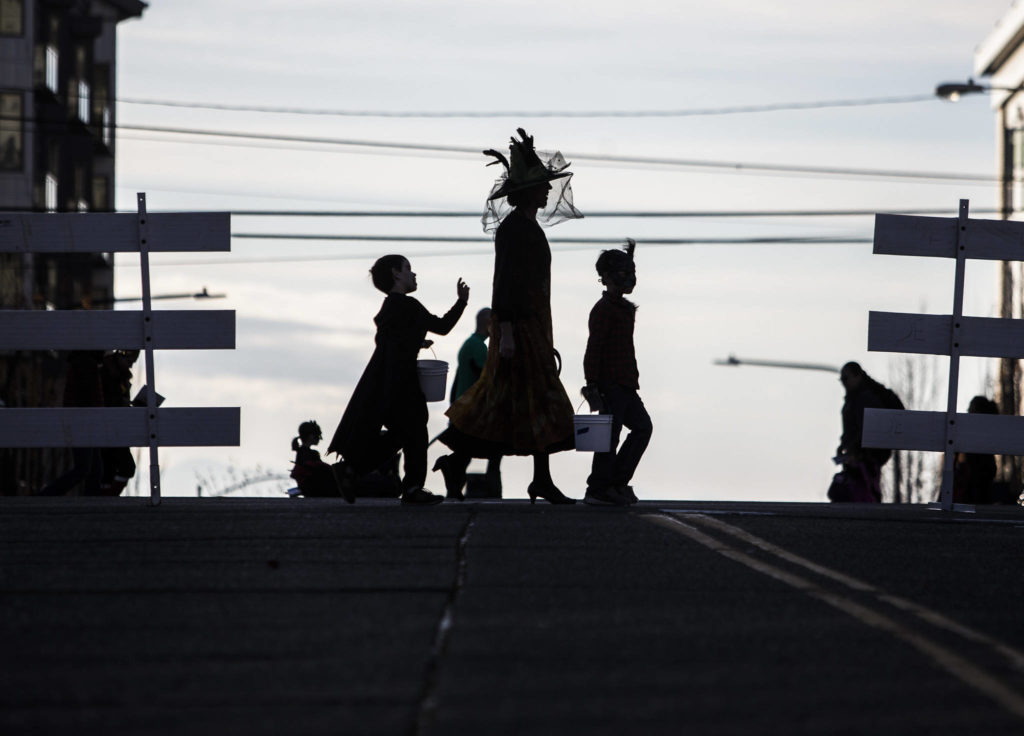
point(295, 444)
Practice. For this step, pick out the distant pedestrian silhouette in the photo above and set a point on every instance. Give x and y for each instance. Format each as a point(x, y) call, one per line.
point(613, 381)
point(519, 406)
point(116, 380)
point(975, 474)
point(388, 394)
point(82, 388)
point(472, 358)
point(860, 479)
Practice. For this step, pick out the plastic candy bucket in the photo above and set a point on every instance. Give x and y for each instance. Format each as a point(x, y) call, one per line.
point(593, 432)
point(433, 378)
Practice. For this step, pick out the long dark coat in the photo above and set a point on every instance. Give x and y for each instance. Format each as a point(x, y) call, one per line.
point(865, 397)
point(389, 386)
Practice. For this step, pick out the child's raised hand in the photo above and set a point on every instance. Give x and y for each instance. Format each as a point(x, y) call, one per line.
point(462, 289)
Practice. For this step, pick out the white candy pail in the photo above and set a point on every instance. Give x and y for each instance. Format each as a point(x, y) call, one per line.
point(593, 432)
point(433, 378)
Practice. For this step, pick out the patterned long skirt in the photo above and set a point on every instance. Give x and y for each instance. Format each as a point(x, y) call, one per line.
point(518, 406)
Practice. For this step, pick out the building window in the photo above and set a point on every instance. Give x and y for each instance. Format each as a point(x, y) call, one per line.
point(83, 101)
point(12, 135)
point(52, 59)
point(101, 103)
point(101, 194)
point(12, 17)
point(51, 193)
point(108, 129)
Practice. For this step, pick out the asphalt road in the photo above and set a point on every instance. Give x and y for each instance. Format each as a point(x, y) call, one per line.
point(235, 616)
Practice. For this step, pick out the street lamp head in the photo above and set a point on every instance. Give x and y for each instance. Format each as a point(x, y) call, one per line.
point(952, 91)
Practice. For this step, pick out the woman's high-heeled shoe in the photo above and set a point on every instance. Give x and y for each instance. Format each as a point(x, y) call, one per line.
point(549, 492)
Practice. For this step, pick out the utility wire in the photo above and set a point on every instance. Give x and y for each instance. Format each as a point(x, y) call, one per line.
point(676, 113)
point(668, 113)
point(640, 214)
point(700, 164)
point(615, 214)
point(476, 214)
point(383, 152)
point(735, 166)
point(479, 239)
point(664, 242)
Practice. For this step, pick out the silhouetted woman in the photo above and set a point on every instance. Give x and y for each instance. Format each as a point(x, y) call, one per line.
point(518, 406)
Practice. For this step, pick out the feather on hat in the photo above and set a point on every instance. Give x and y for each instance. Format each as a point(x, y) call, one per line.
point(524, 167)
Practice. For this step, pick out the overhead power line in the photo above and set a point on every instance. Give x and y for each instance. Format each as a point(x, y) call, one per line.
point(617, 213)
point(731, 168)
point(627, 161)
point(593, 240)
point(669, 113)
point(595, 214)
point(734, 166)
point(560, 245)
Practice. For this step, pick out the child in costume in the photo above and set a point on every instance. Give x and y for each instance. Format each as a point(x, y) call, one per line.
point(613, 381)
point(388, 393)
point(313, 476)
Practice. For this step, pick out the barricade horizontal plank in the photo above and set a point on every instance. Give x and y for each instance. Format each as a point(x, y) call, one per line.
point(895, 429)
point(173, 329)
point(907, 235)
point(988, 434)
point(110, 232)
point(981, 337)
point(119, 427)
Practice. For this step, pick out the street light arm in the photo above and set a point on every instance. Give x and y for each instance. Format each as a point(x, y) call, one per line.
point(953, 91)
point(733, 360)
point(204, 294)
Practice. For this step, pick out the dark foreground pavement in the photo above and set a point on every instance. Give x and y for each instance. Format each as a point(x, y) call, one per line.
point(309, 616)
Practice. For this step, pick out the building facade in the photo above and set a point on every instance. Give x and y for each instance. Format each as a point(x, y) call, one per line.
point(57, 148)
point(1000, 58)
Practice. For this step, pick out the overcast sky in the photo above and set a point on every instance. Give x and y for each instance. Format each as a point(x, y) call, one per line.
point(305, 327)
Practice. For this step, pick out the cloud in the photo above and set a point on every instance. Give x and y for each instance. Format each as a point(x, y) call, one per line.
point(288, 352)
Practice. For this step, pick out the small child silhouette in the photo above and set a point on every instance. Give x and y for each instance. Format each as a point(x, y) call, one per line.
point(314, 477)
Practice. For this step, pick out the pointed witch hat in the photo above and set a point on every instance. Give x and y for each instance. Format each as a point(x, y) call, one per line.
point(526, 169)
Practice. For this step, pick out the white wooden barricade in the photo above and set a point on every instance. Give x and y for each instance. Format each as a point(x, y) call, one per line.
point(144, 330)
point(953, 335)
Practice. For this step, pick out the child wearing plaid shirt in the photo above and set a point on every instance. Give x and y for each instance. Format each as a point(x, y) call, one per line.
point(609, 366)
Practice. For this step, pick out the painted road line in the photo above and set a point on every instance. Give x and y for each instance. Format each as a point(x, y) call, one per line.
point(716, 512)
point(967, 672)
point(1013, 656)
